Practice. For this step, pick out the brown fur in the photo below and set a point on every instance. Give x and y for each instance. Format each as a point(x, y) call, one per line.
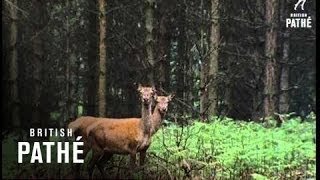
point(120, 136)
point(124, 136)
point(109, 136)
point(80, 126)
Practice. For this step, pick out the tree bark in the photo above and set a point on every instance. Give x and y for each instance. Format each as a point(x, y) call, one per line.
point(182, 58)
point(38, 56)
point(13, 64)
point(270, 79)
point(102, 59)
point(149, 21)
point(203, 72)
point(69, 75)
point(164, 47)
point(214, 56)
point(91, 83)
point(284, 68)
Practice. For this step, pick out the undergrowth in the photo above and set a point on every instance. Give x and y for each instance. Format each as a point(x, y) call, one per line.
point(235, 149)
point(220, 149)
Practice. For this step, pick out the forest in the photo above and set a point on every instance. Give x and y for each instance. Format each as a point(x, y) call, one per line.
point(238, 85)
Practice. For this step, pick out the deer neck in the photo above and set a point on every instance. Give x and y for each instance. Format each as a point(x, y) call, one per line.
point(157, 118)
point(146, 113)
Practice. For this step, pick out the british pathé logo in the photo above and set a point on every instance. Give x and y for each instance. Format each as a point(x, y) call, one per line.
point(299, 19)
point(300, 3)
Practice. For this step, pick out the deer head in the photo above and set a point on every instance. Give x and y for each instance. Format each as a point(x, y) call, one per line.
point(162, 102)
point(146, 93)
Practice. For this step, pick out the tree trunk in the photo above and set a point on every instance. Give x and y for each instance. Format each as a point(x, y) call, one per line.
point(181, 61)
point(190, 84)
point(185, 59)
point(214, 56)
point(257, 100)
point(102, 59)
point(203, 72)
point(69, 75)
point(204, 90)
point(150, 38)
point(270, 79)
point(164, 47)
point(71, 86)
point(91, 81)
point(13, 64)
point(284, 68)
point(37, 56)
point(77, 87)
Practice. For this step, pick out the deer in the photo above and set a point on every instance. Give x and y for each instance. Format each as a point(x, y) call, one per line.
point(125, 136)
point(80, 125)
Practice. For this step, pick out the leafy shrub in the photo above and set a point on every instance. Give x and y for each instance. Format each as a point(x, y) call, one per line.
point(226, 149)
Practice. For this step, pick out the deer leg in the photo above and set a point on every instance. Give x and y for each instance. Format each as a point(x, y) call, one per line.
point(102, 161)
point(95, 157)
point(132, 163)
point(133, 160)
point(143, 154)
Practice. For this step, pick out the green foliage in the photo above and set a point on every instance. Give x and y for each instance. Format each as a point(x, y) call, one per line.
point(258, 176)
point(80, 110)
point(240, 149)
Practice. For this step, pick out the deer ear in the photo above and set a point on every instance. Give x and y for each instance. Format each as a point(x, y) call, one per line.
point(170, 97)
point(154, 89)
point(155, 96)
point(139, 87)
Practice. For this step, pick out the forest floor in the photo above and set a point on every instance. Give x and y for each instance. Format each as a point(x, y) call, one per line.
point(219, 149)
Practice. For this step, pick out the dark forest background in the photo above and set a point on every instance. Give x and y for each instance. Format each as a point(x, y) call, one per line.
point(64, 59)
point(244, 84)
